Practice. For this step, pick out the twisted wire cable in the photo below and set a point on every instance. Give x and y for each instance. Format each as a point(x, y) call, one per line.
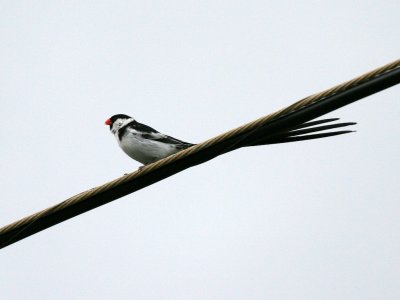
point(301, 111)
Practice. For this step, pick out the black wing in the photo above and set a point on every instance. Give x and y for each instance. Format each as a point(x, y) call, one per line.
point(151, 134)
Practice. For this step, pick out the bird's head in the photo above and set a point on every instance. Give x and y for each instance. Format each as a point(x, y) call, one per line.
point(117, 121)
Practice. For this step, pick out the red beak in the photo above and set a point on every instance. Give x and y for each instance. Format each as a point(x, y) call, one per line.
point(108, 122)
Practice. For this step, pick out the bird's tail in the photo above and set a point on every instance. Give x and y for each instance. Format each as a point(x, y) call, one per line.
point(303, 132)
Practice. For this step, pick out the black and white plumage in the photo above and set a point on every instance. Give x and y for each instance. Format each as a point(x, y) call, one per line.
point(146, 145)
point(141, 142)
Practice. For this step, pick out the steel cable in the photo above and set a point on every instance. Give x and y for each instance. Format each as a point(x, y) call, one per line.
point(304, 110)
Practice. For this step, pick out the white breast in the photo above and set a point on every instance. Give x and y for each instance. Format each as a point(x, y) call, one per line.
point(143, 150)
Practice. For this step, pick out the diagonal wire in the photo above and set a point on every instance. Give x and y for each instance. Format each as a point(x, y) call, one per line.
point(285, 119)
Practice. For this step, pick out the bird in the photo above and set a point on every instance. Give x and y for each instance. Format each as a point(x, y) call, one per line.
point(141, 142)
point(146, 145)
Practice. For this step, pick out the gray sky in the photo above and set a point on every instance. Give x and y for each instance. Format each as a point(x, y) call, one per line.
point(313, 220)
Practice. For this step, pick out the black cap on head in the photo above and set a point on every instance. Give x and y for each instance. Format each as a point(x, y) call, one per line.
point(111, 120)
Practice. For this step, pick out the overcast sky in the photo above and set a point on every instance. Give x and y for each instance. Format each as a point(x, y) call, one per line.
point(312, 220)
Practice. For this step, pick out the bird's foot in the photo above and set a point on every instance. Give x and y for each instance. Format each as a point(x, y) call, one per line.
point(139, 169)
